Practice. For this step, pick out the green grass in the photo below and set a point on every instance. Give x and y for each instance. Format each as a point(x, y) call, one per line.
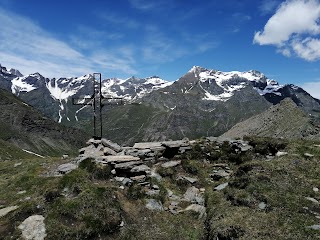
point(86, 204)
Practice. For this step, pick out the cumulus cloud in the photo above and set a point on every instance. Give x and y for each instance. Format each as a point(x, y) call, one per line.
point(313, 88)
point(294, 29)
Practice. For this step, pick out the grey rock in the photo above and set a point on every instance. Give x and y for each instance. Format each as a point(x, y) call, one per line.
point(175, 144)
point(119, 179)
point(126, 181)
point(17, 164)
point(220, 174)
point(308, 155)
point(108, 151)
point(155, 175)
point(188, 179)
point(65, 156)
point(127, 165)
point(33, 228)
point(314, 227)
point(193, 195)
point(312, 200)
point(92, 151)
point(155, 187)
point(221, 186)
point(5, 211)
point(114, 146)
point(197, 208)
point(279, 154)
point(120, 159)
point(152, 192)
point(262, 205)
point(147, 145)
point(154, 205)
point(66, 168)
point(140, 168)
point(140, 178)
point(170, 164)
point(315, 189)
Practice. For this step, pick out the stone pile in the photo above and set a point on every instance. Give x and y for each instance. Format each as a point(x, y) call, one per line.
point(132, 163)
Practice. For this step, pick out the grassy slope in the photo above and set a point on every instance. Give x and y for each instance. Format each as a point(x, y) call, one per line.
point(84, 204)
point(27, 128)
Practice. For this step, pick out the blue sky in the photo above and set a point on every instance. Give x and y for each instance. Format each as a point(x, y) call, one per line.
point(163, 37)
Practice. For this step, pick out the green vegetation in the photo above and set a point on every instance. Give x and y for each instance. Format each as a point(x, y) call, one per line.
point(268, 197)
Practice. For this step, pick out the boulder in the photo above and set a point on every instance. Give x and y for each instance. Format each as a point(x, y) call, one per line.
point(221, 186)
point(154, 205)
point(114, 146)
point(197, 208)
point(5, 211)
point(108, 151)
point(171, 164)
point(193, 195)
point(33, 228)
point(127, 165)
point(217, 175)
point(66, 168)
point(140, 168)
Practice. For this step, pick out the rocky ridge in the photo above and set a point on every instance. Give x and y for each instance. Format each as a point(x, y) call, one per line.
point(284, 120)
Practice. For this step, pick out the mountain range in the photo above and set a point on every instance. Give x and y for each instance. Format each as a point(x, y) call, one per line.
point(203, 102)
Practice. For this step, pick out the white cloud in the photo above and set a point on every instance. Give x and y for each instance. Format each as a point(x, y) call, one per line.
point(26, 46)
point(294, 28)
point(268, 6)
point(313, 88)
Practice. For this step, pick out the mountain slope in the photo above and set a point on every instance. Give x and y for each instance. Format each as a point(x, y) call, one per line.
point(284, 120)
point(203, 102)
point(27, 128)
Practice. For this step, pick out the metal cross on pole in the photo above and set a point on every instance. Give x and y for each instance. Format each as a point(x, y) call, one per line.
point(97, 100)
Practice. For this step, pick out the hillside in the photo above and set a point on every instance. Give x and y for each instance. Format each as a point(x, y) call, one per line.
point(261, 188)
point(284, 120)
point(27, 128)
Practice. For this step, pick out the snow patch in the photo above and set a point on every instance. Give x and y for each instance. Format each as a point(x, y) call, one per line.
point(18, 85)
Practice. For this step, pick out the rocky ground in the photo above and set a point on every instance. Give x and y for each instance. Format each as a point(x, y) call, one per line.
point(211, 188)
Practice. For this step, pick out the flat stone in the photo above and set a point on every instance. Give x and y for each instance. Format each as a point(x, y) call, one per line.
point(171, 164)
point(314, 227)
point(279, 154)
point(108, 151)
point(220, 165)
point(5, 211)
point(33, 228)
point(139, 179)
point(147, 145)
point(221, 186)
point(127, 165)
point(120, 159)
point(190, 180)
point(197, 208)
point(140, 168)
point(175, 144)
point(22, 192)
point(66, 168)
point(92, 151)
point(308, 155)
point(219, 174)
point(114, 146)
point(154, 205)
point(312, 200)
point(17, 164)
point(93, 141)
